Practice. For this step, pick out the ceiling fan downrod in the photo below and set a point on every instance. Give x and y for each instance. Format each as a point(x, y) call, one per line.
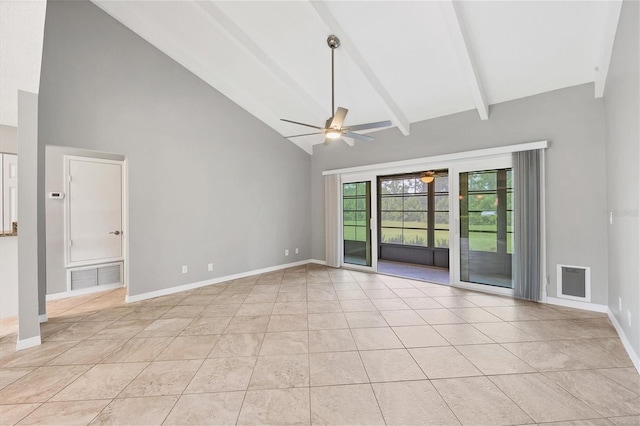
point(334, 43)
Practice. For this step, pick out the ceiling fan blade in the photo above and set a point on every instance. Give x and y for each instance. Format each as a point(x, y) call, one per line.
point(375, 125)
point(304, 134)
point(358, 136)
point(338, 118)
point(302, 124)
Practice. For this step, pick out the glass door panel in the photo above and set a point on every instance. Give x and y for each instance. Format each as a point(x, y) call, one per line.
point(486, 231)
point(356, 221)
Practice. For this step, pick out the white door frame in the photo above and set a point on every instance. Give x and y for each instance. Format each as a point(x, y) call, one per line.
point(503, 161)
point(125, 214)
point(373, 220)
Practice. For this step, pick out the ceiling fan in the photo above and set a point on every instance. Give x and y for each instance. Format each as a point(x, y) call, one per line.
point(333, 128)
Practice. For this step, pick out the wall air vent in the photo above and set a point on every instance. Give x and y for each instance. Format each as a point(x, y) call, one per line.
point(94, 276)
point(574, 282)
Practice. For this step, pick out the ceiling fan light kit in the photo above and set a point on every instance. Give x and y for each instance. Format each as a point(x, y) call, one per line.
point(333, 128)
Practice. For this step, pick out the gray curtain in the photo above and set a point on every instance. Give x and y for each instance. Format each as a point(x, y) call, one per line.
point(527, 238)
point(332, 220)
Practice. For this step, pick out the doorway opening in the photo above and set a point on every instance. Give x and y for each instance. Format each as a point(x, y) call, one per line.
point(413, 225)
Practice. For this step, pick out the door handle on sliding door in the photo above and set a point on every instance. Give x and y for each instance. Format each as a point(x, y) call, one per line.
point(115, 232)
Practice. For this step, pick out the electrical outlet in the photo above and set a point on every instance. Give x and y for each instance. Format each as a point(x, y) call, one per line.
point(210, 267)
point(620, 304)
point(629, 317)
point(297, 250)
point(185, 269)
point(286, 252)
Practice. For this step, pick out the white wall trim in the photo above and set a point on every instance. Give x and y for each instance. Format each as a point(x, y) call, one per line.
point(318, 262)
point(625, 341)
point(83, 291)
point(198, 284)
point(508, 149)
point(43, 318)
point(28, 343)
point(593, 307)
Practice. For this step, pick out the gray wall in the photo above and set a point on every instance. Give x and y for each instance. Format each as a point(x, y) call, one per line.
point(623, 137)
point(54, 182)
point(30, 219)
point(208, 182)
point(8, 139)
point(571, 119)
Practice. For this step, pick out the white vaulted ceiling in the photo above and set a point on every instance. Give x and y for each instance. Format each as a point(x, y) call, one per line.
point(399, 61)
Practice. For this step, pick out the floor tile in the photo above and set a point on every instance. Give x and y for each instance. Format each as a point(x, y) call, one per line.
point(285, 342)
point(336, 368)
point(358, 305)
point(206, 325)
point(222, 375)
point(123, 329)
point(627, 377)
point(248, 324)
point(390, 304)
point(275, 407)
point(439, 316)
point(88, 352)
point(150, 410)
point(103, 381)
point(329, 321)
point(399, 318)
point(10, 375)
point(66, 413)
point(422, 302)
point(290, 308)
point(266, 298)
point(79, 330)
point(41, 384)
point(413, 403)
point(543, 356)
point(12, 413)
point(595, 353)
point(296, 322)
point(345, 405)
point(391, 365)
point(607, 397)
point(473, 315)
point(188, 347)
point(331, 341)
point(477, 401)
point(351, 295)
point(206, 408)
point(503, 332)
point(443, 362)
point(36, 356)
point(625, 421)
point(247, 344)
point(461, 334)
point(321, 307)
point(162, 378)
point(365, 319)
point(183, 311)
point(299, 296)
point(494, 359)
point(139, 349)
point(280, 371)
point(227, 310)
point(542, 399)
point(417, 336)
point(376, 338)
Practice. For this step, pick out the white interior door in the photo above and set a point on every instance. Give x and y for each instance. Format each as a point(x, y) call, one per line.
point(9, 191)
point(94, 211)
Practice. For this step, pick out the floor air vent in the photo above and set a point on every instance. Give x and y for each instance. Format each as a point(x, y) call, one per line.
point(94, 276)
point(574, 282)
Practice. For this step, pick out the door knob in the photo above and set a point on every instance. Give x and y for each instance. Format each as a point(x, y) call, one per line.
point(115, 232)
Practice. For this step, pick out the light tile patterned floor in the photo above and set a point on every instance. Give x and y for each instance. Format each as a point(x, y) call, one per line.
point(322, 346)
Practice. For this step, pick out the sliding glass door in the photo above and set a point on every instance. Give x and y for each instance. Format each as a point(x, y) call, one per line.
point(484, 234)
point(356, 223)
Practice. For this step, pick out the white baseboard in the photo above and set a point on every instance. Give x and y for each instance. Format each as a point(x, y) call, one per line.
point(28, 343)
point(43, 318)
point(191, 286)
point(72, 293)
point(318, 262)
point(594, 307)
point(625, 342)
